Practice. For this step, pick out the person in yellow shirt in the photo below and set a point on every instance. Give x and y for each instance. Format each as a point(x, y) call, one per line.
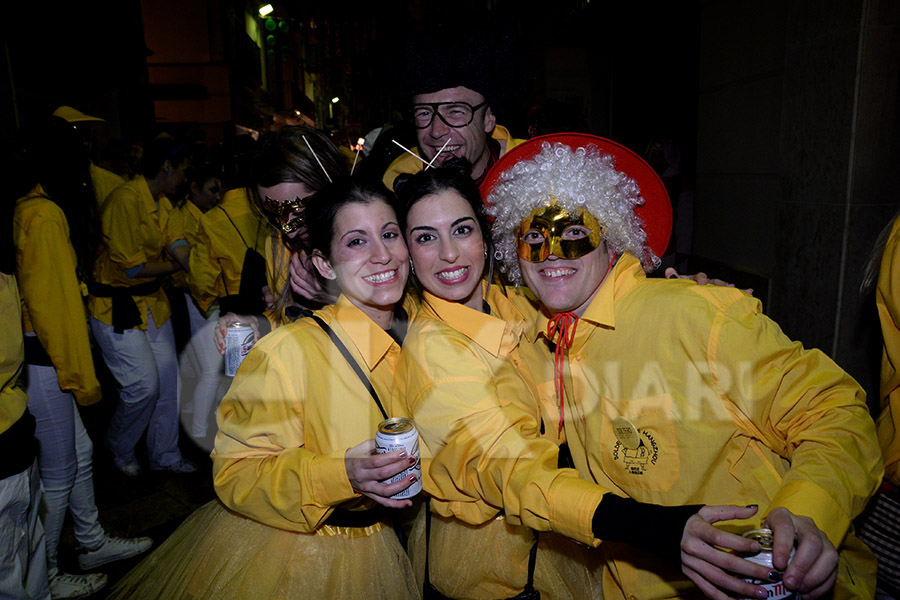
point(289, 165)
point(57, 236)
point(23, 558)
point(130, 313)
point(103, 180)
point(188, 244)
point(452, 121)
point(455, 96)
point(294, 461)
point(464, 379)
point(674, 393)
point(879, 527)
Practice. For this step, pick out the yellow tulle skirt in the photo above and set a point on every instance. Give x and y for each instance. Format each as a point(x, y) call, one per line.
point(490, 561)
point(218, 554)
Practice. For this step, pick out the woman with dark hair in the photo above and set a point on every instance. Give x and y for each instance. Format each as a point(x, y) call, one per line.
point(294, 461)
point(56, 233)
point(289, 165)
point(463, 379)
point(130, 313)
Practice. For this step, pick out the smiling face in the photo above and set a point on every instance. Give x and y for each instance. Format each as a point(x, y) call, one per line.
point(283, 206)
point(447, 248)
point(562, 284)
point(469, 141)
point(369, 261)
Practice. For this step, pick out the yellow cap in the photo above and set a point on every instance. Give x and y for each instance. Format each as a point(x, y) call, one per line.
point(74, 116)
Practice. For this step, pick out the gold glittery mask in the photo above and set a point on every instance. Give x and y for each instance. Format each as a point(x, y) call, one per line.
point(279, 213)
point(554, 230)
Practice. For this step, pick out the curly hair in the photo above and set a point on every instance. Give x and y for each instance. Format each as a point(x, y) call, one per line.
point(583, 177)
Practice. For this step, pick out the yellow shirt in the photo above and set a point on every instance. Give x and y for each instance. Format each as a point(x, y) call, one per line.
point(180, 222)
point(225, 233)
point(468, 384)
point(104, 183)
point(52, 295)
point(728, 410)
point(131, 226)
point(887, 299)
point(471, 390)
point(406, 163)
point(13, 399)
point(293, 410)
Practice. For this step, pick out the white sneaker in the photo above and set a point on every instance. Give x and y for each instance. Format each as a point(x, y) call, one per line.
point(64, 585)
point(113, 549)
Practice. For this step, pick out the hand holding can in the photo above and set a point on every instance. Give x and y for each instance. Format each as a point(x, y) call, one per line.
point(401, 434)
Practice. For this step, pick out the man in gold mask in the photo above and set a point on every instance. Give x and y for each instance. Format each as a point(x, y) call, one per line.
point(677, 394)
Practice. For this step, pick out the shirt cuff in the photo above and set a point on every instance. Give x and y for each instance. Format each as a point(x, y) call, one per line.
point(330, 483)
point(133, 271)
point(179, 243)
point(573, 502)
point(809, 500)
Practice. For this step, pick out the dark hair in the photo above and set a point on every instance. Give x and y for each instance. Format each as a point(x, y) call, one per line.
point(60, 161)
point(283, 157)
point(322, 208)
point(160, 150)
point(454, 175)
point(872, 268)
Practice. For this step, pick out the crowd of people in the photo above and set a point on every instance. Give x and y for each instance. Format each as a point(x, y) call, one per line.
point(585, 431)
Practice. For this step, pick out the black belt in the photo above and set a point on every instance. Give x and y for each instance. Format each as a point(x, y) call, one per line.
point(341, 517)
point(35, 354)
point(125, 313)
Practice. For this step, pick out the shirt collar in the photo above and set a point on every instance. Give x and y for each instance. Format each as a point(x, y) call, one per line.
point(483, 329)
point(372, 342)
point(625, 274)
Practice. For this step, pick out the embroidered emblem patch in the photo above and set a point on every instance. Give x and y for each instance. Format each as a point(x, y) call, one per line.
point(639, 459)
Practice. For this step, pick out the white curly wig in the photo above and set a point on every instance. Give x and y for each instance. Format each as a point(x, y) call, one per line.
point(584, 178)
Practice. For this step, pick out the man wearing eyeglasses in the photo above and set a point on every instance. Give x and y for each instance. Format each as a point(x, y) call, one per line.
point(453, 121)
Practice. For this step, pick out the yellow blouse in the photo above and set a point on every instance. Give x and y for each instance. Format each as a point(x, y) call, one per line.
point(294, 409)
point(52, 296)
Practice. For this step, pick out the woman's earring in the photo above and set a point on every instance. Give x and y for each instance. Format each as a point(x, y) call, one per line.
point(498, 256)
point(412, 268)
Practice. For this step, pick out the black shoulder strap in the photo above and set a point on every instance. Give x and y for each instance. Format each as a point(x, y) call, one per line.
point(240, 235)
point(349, 357)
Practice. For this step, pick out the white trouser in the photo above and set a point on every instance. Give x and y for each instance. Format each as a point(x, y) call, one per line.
point(207, 364)
point(145, 367)
point(65, 455)
point(23, 557)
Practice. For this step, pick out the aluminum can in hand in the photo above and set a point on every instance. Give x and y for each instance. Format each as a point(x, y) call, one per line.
point(238, 341)
point(400, 434)
point(765, 537)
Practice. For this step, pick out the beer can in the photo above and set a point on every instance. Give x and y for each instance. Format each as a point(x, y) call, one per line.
point(238, 341)
point(765, 538)
point(400, 434)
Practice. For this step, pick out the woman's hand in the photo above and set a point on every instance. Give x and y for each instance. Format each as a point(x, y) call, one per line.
point(712, 569)
point(813, 570)
point(268, 297)
point(225, 320)
point(366, 470)
point(701, 278)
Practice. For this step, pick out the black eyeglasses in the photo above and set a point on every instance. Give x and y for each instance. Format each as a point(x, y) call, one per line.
point(453, 114)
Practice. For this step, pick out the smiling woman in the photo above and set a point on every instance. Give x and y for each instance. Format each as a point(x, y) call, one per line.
point(463, 378)
point(300, 515)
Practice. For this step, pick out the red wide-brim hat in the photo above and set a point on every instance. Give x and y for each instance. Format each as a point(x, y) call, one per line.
point(655, 212)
